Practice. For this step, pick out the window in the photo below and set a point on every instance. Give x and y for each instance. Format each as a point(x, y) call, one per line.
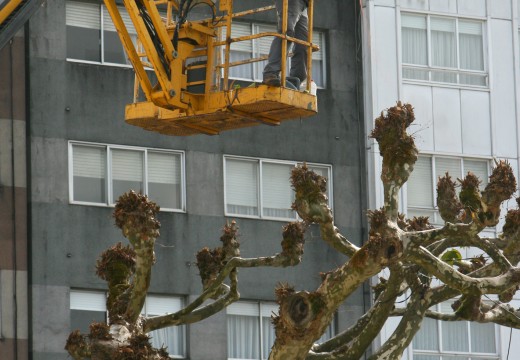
point(250, 330)
point(422, 184)
point(457, 340)
point(260, 47)
point(261, 188)
point(91, 35)
point(443, 50)
point(89, 306)
point(99, 174)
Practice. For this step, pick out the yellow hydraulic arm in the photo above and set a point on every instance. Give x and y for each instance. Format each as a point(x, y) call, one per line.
point(173, 46)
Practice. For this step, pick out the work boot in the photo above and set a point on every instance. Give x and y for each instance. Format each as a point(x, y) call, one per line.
point(294, 81)
point(272, 80)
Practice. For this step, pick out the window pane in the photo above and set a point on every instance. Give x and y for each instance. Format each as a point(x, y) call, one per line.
point(243, 337)
point(416, 74)
point(81, 319)
point(455, 336)
point(83, 31)
point(420, 184)
point(483, 338)
point(89, 174)
point(471, 46)
point(127, 172)
point(86, 307)
point(414, 38)
point(427, 337)
point(164, 179)
point(113, 49)
point(426, 357)
point(277, 194)
point(444, 48)
point(242, 187)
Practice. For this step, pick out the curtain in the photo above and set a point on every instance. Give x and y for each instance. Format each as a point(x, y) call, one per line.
point(483, 338)
point(414, 45)
point(243, 337)
point(443, 49)
point(427, 337)
point(242, 187)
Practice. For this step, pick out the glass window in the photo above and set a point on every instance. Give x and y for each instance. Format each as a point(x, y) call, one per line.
point(442, 49)
point(86, 307)
point(156, 173)
point(454, 340)
point(262, 188)
point(422, 184)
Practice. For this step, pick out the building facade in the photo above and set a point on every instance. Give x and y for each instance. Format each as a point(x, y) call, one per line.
point(76, 155)
point(456, 62)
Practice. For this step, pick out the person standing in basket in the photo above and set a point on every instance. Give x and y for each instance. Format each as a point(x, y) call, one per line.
point(297, 27)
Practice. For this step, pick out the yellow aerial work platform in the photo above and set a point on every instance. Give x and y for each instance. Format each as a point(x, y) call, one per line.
point(176, 48)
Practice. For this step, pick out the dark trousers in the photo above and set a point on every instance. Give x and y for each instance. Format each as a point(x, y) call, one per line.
point(297, 27)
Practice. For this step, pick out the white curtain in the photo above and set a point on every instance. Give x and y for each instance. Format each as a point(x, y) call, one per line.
point(427, 337)
point(414, 45)
point(242, 187)
point(243, 337)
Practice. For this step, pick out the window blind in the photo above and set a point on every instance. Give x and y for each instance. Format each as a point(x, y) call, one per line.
point(127, 165)
point(238, 30)
point(242, 182)
point(87, 300)
point(89, 161)
point(164, 168)
point(159, 305)
point(276, 188)
point(452, 166)
point(479, 168)
point(83, 14)
point(108, 24)
point(420, 184)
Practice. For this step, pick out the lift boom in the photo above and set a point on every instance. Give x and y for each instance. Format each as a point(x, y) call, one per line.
point(174, 47)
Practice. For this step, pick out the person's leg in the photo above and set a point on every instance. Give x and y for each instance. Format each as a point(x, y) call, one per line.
point(299, 59)
point(294, 11)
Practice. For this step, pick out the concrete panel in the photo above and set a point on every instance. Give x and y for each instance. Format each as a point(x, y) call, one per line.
point(501, 9)
point(49, 170)
point(213, 331)
point(422, 128)
point(476, 122)
point(472, 7)
point(446, 120)
point(50, 318)
point(386, 69)
point(503, 94)
point(7, 152)
point(12, 80)
point(7, 305)
point(48, 35)
point(415, 4)
point(205, 193)
point(445, 6)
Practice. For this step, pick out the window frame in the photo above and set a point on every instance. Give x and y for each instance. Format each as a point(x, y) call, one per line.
point(434, 176)
point(108, 172)
point(452, 353)
point(77, 292)
point(256, 68)
point(260, 162)
point(458, 70)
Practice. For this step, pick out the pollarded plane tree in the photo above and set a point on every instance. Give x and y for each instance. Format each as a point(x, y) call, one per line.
point(411, 249)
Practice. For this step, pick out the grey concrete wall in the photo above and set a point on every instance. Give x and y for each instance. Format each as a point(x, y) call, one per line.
point(73, 101)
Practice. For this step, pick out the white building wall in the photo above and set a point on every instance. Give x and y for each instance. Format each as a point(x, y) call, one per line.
point(450, 120)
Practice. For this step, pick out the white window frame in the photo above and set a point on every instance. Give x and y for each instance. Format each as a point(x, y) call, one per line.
point(108, 171)
point(91, 300)
point(103, 13)
point(448, 353)
point(458, 70)
point(260, 162)
point(261, 310)
point(257, 67)
point(435, 217)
